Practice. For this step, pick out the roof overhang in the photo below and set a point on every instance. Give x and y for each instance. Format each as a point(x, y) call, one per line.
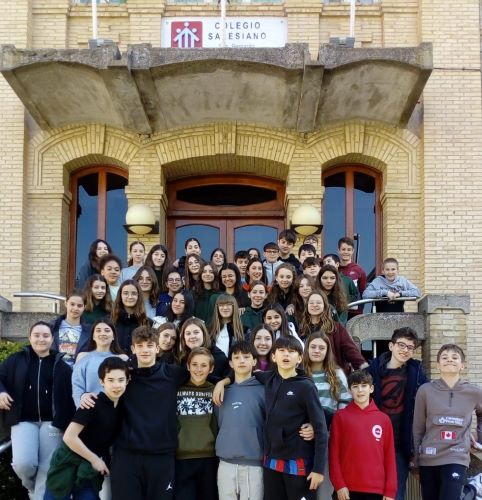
point(148, 90)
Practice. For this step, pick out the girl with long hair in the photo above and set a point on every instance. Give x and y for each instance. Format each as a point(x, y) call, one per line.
point(282, 290)
point(128, 313)
point(192, 270)
point(205, 287)
point(168, 338)
point(85, 378)
point(253, 314)
point(330, 282)
point(274, 315)
point(181, 308)
point(226, 326)
point(318, 316)
point(97, 250)
point(302, 288)
point(147, 280)
point(230, 283)
point(137, 253)
point(158, 259)
point(218, 258)
point(191, 245)
point(262, 340)
point(254, 272)
point(97, 299)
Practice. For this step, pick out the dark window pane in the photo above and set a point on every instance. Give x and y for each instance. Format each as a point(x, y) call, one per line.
point(253, 236)
point(116, 208)
point(208, 236)
point(365, 219)
point(87, 207)
point(226, 195)
point(333, 212)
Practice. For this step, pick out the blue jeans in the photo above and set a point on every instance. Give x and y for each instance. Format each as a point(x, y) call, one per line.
point(77, 494)
point(402, 475)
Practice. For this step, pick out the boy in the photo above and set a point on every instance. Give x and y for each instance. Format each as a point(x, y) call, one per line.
point(391, 285)
point(293, 467)
point(362, 456)
point(110, 267)
point(271, 262)
point(311, 239)
point(306, 250)
point(239, 444)
point(78, 465)
point(441, 427)
point(350, 288)
point(396, 378)
point(311, 267)
point(147, 442)
point(173, 284)
point(346, 247)
point(71, 333)
point(241, 259)
point(286, 242)
point(196, 462)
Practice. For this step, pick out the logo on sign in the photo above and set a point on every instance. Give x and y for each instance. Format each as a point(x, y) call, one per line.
point(186, 34)
point(448, 435)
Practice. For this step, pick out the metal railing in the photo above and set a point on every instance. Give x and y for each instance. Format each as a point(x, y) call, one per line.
point(43, 295)
point(5, 446)
point(381, 299)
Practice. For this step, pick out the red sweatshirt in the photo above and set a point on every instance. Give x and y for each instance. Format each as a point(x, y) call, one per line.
point(362, 454)
point(356, 274)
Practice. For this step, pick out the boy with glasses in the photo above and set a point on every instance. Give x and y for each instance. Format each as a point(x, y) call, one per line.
point(173, 284)
point(396, 378)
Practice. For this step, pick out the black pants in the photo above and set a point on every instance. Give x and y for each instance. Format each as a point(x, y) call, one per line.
point(279, 486)
point(442, 482)
point(354, 495)
point(196, 479)
point(138, 476)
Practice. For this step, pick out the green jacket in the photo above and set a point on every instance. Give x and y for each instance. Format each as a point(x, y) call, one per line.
point(251, 318)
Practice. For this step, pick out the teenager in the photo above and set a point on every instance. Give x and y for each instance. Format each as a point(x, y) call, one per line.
point(301, 291)
point(191, 245)
point(97, 299)
point(274, 315)
point(36, 401)
point(253, 253)
point(205, 287)
point(262, 340)
point(97, 250)
point(173, 284)
point(283, 287)
point(146, 277)
point(180, 309)
point(226, 326)
point(218, 258)
point(168, 342)
point(330, 282)
point(254, 272)
point(158, 260)
point(192, 270)
point(271, 262)
point(110, 267)
point(230, 283)
point(137, 254)
point(253, 314)
point(241, 259)
point(286, 242)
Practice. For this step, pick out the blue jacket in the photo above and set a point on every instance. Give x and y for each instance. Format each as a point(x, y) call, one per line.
point(415, 378)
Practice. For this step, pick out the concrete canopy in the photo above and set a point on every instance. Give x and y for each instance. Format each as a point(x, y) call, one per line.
point(149, 90)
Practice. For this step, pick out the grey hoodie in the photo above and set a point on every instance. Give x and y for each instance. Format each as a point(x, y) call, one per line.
point(241, 422)
point(380, 287)
point(441, 423)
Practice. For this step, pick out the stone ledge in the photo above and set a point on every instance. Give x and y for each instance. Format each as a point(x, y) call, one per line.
point(380, 326)
point(430, 303)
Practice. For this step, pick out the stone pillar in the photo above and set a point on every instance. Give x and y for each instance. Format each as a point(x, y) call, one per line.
point(446, 324)
point(303, 17)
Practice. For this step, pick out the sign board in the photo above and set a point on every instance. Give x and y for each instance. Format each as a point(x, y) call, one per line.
point(205, 32)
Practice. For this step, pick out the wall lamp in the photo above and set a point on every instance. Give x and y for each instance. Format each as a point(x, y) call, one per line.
point(140, 220)
point(306, 220)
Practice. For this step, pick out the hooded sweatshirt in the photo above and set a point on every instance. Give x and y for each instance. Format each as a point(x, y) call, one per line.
point(241, 420)
point(362, 454)
point(356, 274)
point(441, 423)
point(380, 287)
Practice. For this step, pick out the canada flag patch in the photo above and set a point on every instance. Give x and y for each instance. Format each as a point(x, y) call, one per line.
point(448, 435)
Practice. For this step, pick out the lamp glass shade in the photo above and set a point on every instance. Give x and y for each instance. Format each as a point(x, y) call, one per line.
point(140, 219)
point(306, 220)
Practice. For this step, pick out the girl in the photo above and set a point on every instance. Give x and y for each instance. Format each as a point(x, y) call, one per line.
point(441, 427)
point(275, 316)
point(318, 316)
point(230, 283)
point(254, 253)
point(110, 267)
point(97, 250)
point(71, 333)
point(97, 299)
point(173, 285)
point(181, 308)
point(158, 259)
point(147, 280)
point(128, 313)
point(191, 245)
point(301, 290)
point(254, 272)
point(206, 286)
point(282, 290)
point(167, 341)
point(226, 326)
point(137, 252)
point(192, 270)
point(262, 339)
point(218, 258)
point(36, 399)
point(253, 314)
point(194, 334)
point(330, 283)
point(85, 378)
point(332, 386)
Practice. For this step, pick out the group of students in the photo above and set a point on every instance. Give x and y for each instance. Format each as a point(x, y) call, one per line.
point(143, 386)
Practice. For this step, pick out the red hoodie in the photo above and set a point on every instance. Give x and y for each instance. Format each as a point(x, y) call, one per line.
point(362, 454)
point(356, 273)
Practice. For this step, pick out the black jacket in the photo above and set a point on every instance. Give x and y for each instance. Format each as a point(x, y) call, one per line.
point(13, 374)
point(84, 334)
point(149, 425)
point(294, 262)
point(124, 327)
point(290, 403)
point(415, 378)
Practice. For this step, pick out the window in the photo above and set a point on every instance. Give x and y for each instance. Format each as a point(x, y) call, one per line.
point(98, 209)
point(351, 205)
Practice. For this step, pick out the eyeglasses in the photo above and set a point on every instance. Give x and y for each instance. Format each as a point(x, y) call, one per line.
point(402, 345)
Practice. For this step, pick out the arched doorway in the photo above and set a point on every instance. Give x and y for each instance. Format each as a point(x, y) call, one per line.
point(98, 209)
point(233, 212)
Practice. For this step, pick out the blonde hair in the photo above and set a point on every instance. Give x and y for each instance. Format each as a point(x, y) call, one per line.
point(217, 322)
